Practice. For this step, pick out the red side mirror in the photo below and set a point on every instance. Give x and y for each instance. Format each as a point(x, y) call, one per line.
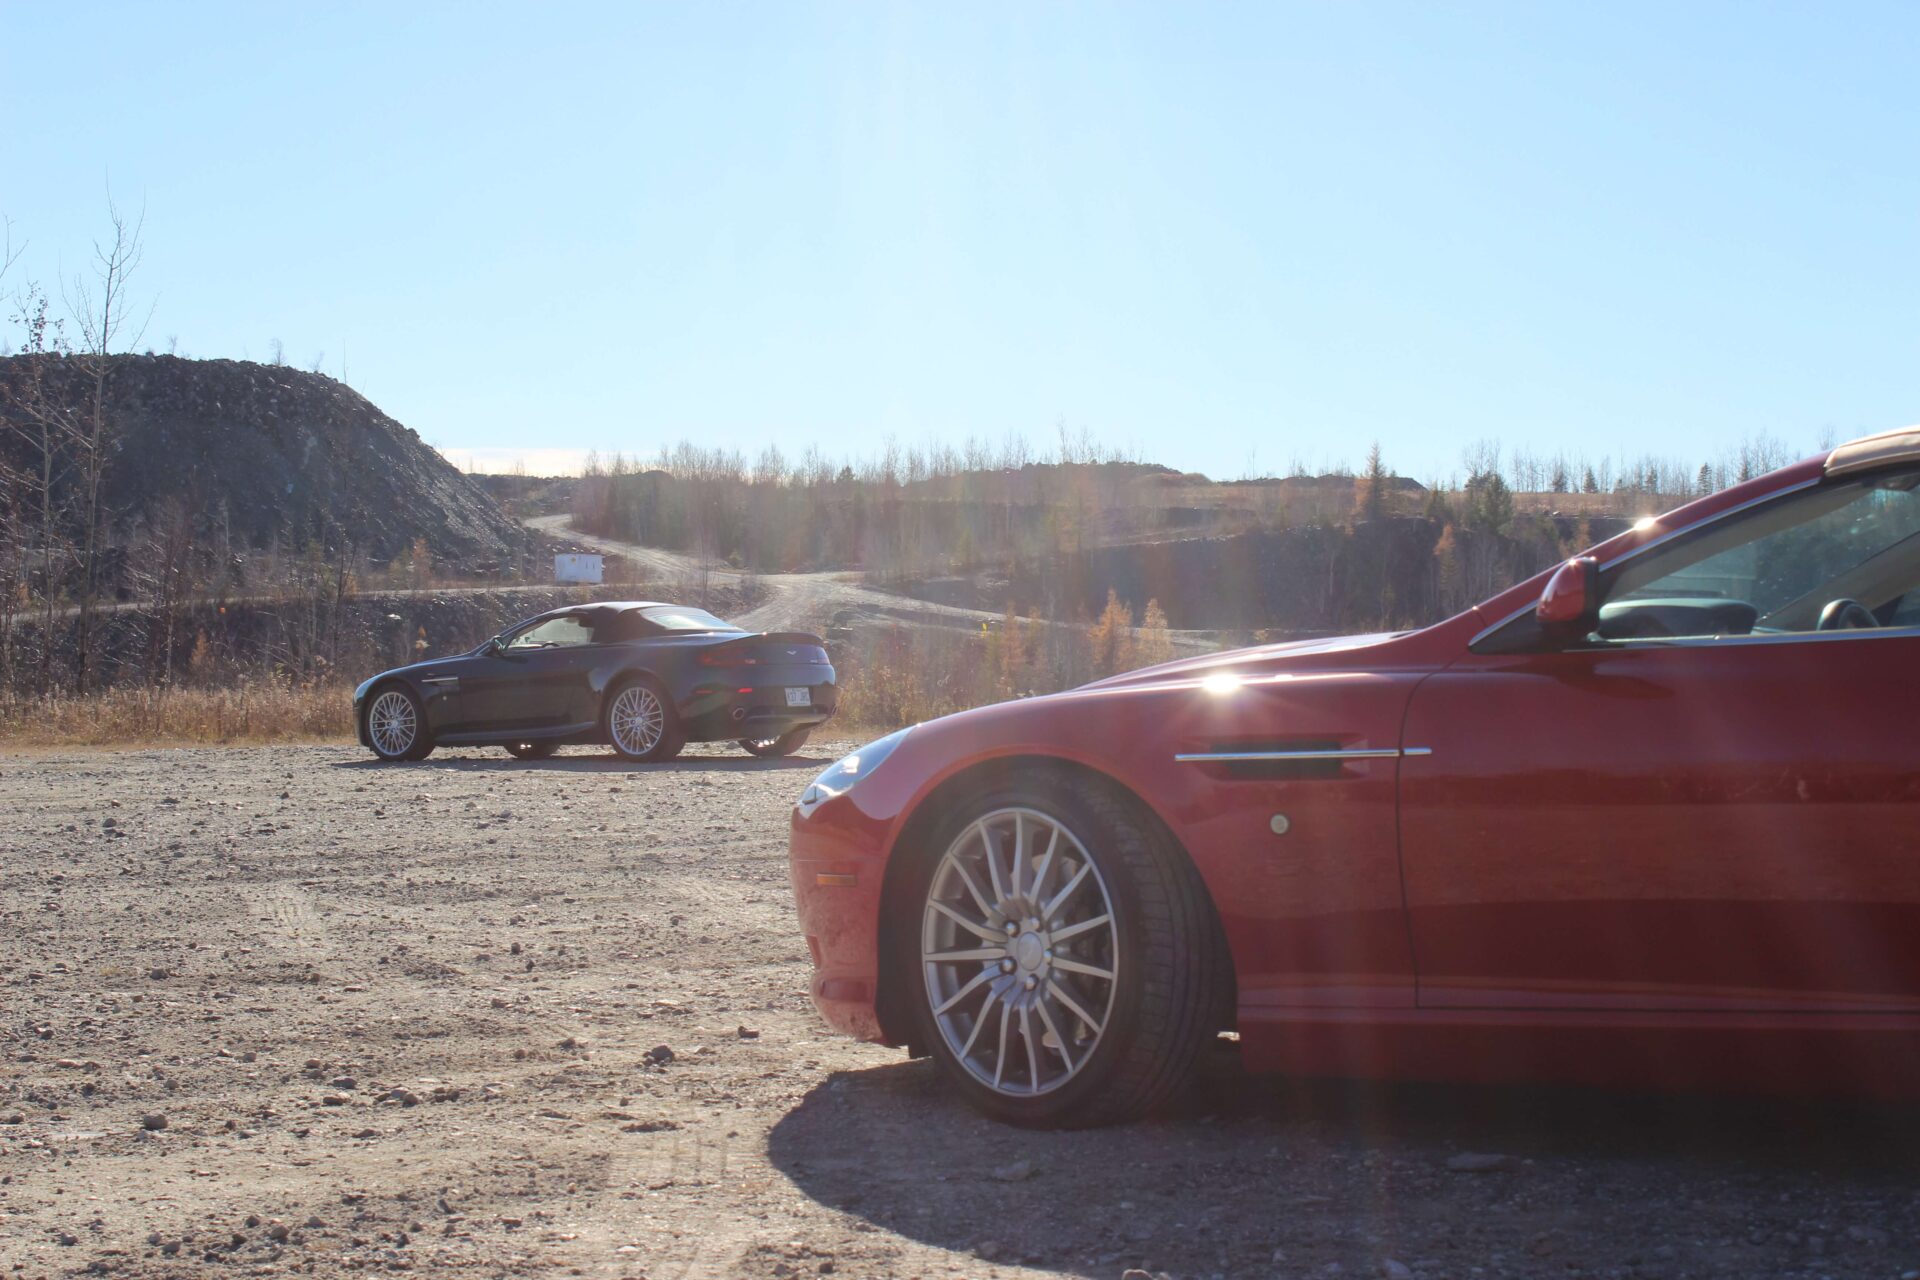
point(1572, 597)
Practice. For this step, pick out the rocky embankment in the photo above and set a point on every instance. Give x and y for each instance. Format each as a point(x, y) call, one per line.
point(265, 455)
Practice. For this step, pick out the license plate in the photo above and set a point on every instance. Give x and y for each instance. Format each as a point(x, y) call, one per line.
point(799, 697)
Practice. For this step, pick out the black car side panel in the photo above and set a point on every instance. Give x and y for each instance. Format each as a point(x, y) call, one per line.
point(493, 696)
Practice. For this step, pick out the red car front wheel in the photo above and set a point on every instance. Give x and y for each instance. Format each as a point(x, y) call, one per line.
point(1066, 956)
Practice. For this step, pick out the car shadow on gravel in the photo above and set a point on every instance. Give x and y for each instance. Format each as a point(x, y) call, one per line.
point(1265, 1175)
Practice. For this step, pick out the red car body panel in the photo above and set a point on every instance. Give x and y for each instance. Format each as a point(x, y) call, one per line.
point(1607, 870)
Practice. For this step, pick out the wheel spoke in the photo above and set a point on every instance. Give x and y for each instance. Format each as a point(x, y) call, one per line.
point(1054, 903)
point(1033, 1051)
point(980, 899)
point(1019, 849)
point(1074, 930)
point(954, 999)
point(1046, 862)
point(1074, 966)
point(979, 1021)
point(1060, 993)
point(993, 863)
point(977, 953)
point(1059, 1041)
point(1000, 1062)
point(984, 931)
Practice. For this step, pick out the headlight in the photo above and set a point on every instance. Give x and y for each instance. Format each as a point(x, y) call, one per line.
point(840, 776)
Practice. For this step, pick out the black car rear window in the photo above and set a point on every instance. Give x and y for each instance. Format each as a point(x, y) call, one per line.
point(681, 618)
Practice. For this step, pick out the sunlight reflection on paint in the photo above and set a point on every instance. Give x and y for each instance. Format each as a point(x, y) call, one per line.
point(1220, 682)
point(1644, 523)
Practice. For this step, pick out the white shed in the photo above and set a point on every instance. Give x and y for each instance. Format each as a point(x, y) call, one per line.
point(577, 568)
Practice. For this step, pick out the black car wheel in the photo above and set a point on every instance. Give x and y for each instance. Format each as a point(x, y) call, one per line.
point(784, 745)
point(397, 724)
point(1066, 963)
point(531, 750)
point(640, 722)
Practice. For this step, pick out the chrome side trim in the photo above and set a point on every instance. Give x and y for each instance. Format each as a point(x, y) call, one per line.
point(1243, 757)
point(439, 679)
point(1651, 543)
point(1782, 637)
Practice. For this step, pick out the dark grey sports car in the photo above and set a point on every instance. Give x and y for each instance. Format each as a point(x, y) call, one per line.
point(643, 677)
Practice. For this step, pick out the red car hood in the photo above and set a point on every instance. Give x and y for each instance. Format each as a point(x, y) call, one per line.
point(1233, 660)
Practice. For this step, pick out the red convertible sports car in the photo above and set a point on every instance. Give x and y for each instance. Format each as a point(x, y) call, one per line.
point(1649, 819)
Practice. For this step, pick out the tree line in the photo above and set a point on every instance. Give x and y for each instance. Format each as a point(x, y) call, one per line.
point(915, 512)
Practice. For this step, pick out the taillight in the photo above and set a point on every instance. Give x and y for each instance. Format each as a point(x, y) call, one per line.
point(727, 658)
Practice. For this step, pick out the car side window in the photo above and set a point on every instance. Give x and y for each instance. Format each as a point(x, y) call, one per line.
point(1834, 557)
point(564, 632)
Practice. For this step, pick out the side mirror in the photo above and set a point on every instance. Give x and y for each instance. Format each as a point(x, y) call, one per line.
point(1570, 605)
point(494, 645)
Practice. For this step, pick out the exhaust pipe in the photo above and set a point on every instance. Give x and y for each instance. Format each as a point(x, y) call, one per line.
point(739, 713)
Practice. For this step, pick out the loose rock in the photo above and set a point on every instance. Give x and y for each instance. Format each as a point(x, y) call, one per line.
point(1479, 1162)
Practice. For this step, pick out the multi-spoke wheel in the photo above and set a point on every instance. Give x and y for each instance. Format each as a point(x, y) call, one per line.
point(1067, 958)
point(396, 725)
point(784, 745)
point(1019, 948)
point(641, 724)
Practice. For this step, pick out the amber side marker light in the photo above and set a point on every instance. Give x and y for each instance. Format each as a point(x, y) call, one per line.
point(830, 881)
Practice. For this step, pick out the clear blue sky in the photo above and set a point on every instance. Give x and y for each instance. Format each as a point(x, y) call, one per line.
point(1208, 232)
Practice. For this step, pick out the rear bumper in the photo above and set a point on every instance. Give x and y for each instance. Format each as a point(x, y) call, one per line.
point(838, 867)
point(360, 721)
point(757, 707)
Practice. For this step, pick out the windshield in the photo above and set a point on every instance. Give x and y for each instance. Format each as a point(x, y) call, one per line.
point(1859, 540)
point(680, 618)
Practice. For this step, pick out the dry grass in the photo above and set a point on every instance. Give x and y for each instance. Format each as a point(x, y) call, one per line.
point(244, 713)
point(892, 677)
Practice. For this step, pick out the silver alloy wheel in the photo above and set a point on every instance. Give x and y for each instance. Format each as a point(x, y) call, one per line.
point(637, 721)
point(1020, 953)
point(392, 723)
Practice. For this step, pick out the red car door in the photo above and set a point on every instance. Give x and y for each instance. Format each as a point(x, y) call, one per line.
point(1709, 801)
point(1722, 826)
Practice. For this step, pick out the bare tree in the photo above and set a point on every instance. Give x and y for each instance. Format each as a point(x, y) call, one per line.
point(98, 301)
point(169, 576)
point(40, 419)
point(13, 541)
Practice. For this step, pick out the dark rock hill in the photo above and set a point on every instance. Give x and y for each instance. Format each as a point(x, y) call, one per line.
point(272, 454)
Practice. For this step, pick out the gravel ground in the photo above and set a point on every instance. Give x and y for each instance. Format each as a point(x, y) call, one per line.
point(286, 1011)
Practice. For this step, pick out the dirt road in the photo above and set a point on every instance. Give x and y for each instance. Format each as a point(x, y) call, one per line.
point(289, 1012)
point(811, 601)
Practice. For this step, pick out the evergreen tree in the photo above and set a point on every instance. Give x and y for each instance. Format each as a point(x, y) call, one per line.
point(1370, 492)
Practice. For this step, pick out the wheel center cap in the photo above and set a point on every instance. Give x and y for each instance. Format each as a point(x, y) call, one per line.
point(1030, 951)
